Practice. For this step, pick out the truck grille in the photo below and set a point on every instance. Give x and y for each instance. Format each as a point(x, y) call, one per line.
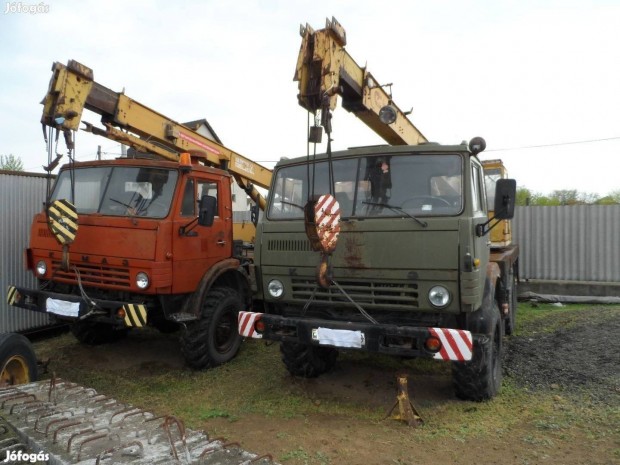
point(289, 245)
point(93, 274)
point(386, 295)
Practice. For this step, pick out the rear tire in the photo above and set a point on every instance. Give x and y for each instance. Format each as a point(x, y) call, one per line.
point(307, 361)
point(94, 334)
point(214, 339)
point(18, 363)
point(481, 378)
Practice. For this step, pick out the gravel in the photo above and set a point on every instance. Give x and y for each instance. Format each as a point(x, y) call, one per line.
point(583, 356)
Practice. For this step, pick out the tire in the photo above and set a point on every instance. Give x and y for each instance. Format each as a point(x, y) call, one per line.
point(214, 339)
point(511, 321)
point(94, 334)
point(307, 361)
point(18, 363)
point(481, 378)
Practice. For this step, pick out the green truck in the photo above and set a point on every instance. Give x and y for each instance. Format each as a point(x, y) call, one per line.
point(414, 272)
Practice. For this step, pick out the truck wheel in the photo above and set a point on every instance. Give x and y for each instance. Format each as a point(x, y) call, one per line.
point(511, 320)
point(214, 339)
point(481, 378)
point(307, 360)
point(18, 364)
point(94, 334)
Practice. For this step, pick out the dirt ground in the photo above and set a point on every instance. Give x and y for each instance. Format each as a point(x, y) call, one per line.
point(575, 364)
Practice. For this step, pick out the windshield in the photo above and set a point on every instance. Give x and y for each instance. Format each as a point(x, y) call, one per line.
point(119, 190)
point(378, 185)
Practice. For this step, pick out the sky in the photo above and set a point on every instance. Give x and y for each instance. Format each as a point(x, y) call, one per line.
point(539, 80)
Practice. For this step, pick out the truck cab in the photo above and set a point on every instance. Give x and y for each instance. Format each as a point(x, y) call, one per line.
point(134, 226)
point(152, 239)
point(406, 219)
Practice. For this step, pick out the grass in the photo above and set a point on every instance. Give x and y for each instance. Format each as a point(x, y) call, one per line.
point(547, 318)
point(267, 390)
point(256, 384)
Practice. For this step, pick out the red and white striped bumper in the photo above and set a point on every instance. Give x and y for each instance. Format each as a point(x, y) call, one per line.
point(456, 344)
point(246, 322)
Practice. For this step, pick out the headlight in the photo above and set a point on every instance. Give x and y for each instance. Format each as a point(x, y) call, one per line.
point(142, 280)
point(41, 268)
point(275, 288)
point(439, 296)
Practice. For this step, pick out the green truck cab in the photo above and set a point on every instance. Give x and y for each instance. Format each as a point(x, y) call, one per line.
point(413, 273)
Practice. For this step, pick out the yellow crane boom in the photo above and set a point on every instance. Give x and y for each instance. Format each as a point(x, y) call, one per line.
point(325, 71)
point(72, 89)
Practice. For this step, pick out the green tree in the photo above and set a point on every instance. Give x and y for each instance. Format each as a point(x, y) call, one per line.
point(527, 197)
point(613, 198)
point(615, 195)
point(524, 196)
point(607, 200)
point(546, 201)
point(589, 198)
point(566, 196)
point(11, 163)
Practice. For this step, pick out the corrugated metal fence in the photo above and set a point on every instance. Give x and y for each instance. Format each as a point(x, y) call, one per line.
point(571, 243)
point(21, 196)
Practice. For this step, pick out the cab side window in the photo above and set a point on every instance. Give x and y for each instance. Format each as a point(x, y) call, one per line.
point(477, 190)
point(188, 206)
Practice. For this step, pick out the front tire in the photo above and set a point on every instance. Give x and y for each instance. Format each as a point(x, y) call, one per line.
point(481, 378)
point(214, 339)
point(307, 361)
point(18, 364)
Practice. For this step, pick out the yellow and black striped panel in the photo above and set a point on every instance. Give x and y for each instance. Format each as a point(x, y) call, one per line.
point(135, 315)
point(63, 221)
point(12, 294)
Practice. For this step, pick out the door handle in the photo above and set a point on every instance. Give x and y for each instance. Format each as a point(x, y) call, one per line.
point(221, 242)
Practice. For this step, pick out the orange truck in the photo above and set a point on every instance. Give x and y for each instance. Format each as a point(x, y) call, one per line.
point(140, 240)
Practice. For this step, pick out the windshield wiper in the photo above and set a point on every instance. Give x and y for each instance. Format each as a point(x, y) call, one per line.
point(285, 202)
point(131, 211)
point(424, 224)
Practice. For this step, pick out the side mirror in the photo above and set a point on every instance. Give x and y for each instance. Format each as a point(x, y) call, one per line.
point(505, 195)
point(206, 210)
point(504, 208)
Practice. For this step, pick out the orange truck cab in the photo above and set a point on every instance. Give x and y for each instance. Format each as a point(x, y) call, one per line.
point(152, 244)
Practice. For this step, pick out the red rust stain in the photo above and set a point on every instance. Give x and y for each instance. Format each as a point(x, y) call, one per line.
point(353, 250)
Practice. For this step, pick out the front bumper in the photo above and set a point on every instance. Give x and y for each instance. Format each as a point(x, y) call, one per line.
point(454, 344)
point(72, 308)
